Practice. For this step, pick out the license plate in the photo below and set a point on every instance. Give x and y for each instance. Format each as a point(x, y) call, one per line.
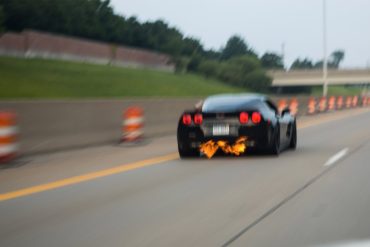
point(221, 130)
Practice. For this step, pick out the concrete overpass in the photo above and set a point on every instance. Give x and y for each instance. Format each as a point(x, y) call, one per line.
point(315, 77)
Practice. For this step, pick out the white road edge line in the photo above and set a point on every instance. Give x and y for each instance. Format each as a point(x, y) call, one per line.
point(337, 157)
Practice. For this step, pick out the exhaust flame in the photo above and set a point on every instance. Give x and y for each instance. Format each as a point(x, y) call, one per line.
point(210, 148)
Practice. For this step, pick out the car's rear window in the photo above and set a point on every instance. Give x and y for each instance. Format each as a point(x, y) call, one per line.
point(230, 104)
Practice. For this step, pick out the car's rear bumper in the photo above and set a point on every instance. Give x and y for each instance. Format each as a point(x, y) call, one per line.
point(257, 137)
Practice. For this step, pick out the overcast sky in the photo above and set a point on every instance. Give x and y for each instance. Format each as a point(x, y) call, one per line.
point(266, 24)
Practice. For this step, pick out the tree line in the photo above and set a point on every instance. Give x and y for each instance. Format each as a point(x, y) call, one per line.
point(236, 63)
point(334, 62)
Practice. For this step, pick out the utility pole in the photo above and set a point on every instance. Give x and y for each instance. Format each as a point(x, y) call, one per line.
point(325, 58)
point(283, 53)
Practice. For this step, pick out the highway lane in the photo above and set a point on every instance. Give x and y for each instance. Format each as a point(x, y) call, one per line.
point(332, 211)
point(39, 169)
point(195, 202)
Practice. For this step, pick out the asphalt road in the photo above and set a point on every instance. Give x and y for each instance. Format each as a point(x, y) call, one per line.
point(316, 195)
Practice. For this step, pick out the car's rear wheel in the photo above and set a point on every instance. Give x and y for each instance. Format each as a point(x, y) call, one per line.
point(275, 146)
point(293, 138)
point(187, 152)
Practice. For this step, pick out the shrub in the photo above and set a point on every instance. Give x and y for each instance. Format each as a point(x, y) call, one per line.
point(257, 81)
point(209, 68)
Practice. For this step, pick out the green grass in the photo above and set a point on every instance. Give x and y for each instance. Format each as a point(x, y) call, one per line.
point(38, 78)
point(338, 90)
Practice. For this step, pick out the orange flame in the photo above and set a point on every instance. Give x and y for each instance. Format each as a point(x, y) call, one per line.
point(210, 148)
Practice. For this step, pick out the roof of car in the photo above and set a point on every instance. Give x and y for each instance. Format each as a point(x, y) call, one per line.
point(230, 102)
point(239, 97)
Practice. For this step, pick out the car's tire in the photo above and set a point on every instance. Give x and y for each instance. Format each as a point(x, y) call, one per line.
point(293, 138)
point(275, 145)
point(187, 153)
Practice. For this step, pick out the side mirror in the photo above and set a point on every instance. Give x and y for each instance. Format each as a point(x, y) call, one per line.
point(285, 111)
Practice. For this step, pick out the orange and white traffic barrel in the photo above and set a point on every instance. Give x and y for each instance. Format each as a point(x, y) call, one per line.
point(348, 102)
point(355, 101)
point(293, 106)
point(311, 106)
point(364, 101)
point(8, 136)
point(340, 102)
point(331, 106)
point(282, 105)
point(322, 104)
point(133, 123)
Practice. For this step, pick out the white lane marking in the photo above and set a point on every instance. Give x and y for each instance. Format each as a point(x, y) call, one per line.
point(336, 157)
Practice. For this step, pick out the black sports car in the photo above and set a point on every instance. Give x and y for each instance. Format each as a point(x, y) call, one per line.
point(235, 123)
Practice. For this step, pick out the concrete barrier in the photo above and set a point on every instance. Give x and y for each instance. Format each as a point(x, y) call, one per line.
point(54, 125)
point(47, 126)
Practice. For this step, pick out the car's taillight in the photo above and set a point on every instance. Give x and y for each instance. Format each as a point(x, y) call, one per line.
point(256, 117)
point(243, 117)
point(198, 118)
point(186, 119)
